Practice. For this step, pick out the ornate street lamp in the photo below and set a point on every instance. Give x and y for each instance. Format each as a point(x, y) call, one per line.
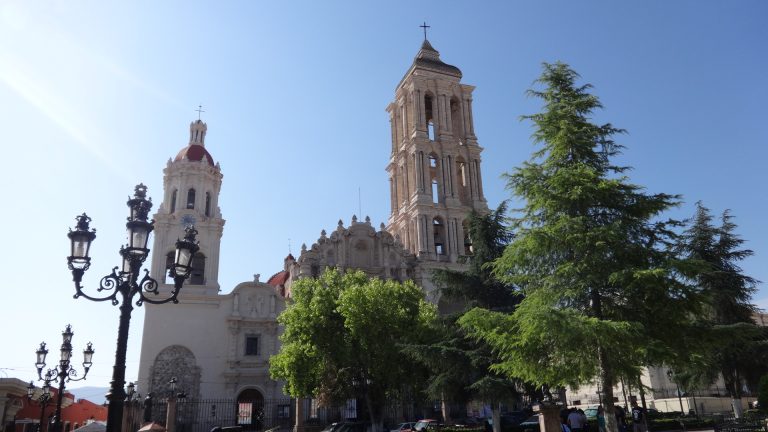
point(43, 399)
point(132, 413)
point(129, 391)
point(61, 373)
point(125, 282)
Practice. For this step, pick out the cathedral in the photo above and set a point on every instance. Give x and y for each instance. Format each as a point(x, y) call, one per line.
point(218, 340)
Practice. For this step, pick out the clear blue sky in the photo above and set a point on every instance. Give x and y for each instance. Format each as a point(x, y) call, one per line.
point(96, 96)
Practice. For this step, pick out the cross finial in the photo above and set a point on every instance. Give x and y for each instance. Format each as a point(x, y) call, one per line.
point(425, 27)
point(199, 111)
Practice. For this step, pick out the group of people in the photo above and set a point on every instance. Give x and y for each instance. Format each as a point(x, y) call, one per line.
point(575, 420)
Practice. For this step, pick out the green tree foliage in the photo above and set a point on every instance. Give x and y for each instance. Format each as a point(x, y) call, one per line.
point(762, 394)
point(602, 293)
point(459, 365)
point(342, 335)
point(735, 346)
point(478, 286)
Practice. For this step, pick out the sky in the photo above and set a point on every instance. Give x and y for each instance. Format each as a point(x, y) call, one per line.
point(96, 96)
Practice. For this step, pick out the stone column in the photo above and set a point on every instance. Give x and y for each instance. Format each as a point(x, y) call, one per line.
point(406, 179)
point(470, 131)
point(479, 175)
point(170, 415)
point(127, 412)
point(426, 179)
point(419, 167)
point(443, 116)
point(418, 103)
point(420, 235)
point(392, 196)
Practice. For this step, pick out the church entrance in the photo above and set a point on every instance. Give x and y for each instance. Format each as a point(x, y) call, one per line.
point(250, 410)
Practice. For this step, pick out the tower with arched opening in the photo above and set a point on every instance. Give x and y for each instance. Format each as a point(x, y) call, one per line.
point(434, 167)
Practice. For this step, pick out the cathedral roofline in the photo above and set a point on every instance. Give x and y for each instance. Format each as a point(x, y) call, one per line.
point(428, 58)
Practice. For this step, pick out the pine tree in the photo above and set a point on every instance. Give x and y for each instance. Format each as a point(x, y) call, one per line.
point(459, 365)
point(733, 349)
point(590, 256)
point(478, 286)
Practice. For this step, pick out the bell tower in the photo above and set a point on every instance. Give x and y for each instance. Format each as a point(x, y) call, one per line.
point(191, 186)
point(434, 168)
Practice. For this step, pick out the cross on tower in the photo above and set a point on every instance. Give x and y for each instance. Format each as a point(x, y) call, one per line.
point(199, 110)
point(425, 27)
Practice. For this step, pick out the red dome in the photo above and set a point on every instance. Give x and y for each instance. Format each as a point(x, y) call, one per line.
point(195, 152)
point(279, 278)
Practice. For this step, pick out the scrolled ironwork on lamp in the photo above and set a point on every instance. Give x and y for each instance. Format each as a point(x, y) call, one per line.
point(62, 373)
point(123, 283)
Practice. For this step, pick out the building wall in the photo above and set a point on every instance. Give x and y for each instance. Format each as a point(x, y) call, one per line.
point(213, 330)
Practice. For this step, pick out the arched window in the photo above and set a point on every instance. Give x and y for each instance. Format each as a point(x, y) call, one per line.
point(429, 116)
point(439, 231)
point(433, 178)
point(208, 204)
point(197, 277)
point(173, 200)
point(191, 198)
point(468, 250)
point(462, 170)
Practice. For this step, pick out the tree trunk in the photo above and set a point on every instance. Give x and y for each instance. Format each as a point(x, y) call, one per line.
point(376, 425)
point(606, 371)
point(624, 393)
point(734, 388)
point(606, 380)
point(738, 410)
point(496, 416)
point(446, 411)
point(695, 406)
point(298, 425)
point(642, 400)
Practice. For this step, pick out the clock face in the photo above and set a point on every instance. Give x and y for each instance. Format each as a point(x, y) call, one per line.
point(187, 220)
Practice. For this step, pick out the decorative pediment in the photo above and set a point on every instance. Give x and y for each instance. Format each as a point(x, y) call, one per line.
point(256, 300)
point(358, 246)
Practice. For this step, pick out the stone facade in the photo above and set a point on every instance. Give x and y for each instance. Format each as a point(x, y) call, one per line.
point(434, 168)
point(218, 345)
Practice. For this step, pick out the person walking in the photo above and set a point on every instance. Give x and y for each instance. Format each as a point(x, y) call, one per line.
point(638, 418)
point(621, 418)
point(575, 420)
point(600, 419)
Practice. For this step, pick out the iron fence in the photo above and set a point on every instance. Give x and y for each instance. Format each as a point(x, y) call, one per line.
point(203, 415)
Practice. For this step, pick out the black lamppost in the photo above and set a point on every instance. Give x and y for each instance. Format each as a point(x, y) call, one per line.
point(43, 399)
point(63, 372)
point(125, 282)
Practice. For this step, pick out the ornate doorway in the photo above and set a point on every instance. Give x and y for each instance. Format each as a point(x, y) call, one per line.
point(250, 410)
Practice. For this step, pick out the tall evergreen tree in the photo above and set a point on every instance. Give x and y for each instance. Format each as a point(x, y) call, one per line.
point(478, 285)
point(589, 255)
point(459, 365)
point(734, 349)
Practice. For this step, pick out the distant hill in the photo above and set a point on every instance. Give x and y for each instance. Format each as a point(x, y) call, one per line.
point(93, 394)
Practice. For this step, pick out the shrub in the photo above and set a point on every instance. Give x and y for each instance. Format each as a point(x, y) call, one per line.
point(762, 394)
